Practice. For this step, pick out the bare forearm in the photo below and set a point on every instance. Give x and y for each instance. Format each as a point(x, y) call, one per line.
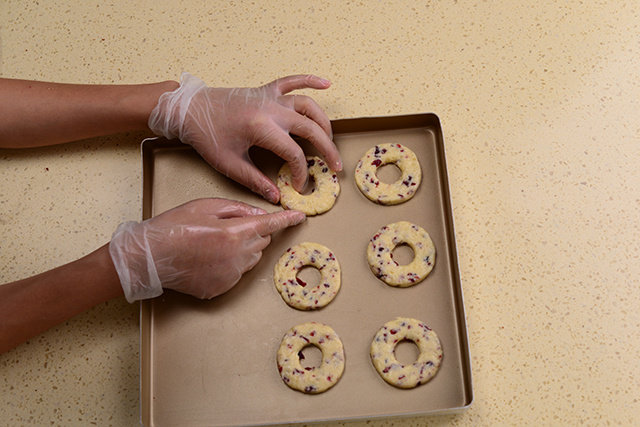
point(40, 113)
point(33, 305)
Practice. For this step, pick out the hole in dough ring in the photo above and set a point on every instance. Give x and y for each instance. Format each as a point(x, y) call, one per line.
point(380, 192)
point(384, 359)
point(380, 257)
point(311, 379)
point(297, 293)
point(322, 197)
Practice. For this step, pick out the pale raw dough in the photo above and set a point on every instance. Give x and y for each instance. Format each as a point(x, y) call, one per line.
point(322, 197)
point(384, 359)
point(388, 194)
point(311, 379)
point(380, 257)
point(296, 292)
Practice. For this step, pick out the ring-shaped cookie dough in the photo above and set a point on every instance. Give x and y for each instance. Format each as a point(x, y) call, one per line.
point(380, 254)
point(322, 197)
point(297, 293)
point(311, 379)
point(384, 359)
point(388, 194)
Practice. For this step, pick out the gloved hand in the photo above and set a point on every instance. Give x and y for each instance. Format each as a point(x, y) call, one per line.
point(201, 248)
point(222, 124)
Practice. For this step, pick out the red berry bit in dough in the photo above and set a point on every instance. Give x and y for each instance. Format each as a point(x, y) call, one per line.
point(322, 196)
point(380, 255)
point(294, 289)
point(418, 372)
point(388, 193)
point(311, 379)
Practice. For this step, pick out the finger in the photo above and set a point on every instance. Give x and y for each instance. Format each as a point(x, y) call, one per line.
point(267, 224)
point(282, 145)
point(253, 252)
point(261, 243)
point(242, 170)
point(311, 131)
point(252, 261)
point(209, 207)
point(301, 81)
point(224, 208)
point(306, 106)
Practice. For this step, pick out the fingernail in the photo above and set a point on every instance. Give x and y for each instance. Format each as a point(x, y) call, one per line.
point(300, 217)
point(325, 81)
point(271, 196)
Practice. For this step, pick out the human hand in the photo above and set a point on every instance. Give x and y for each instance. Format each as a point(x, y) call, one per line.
point(201, 248)
point(223, 123)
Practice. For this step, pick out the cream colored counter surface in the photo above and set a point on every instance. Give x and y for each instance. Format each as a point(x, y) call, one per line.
point(540, 109)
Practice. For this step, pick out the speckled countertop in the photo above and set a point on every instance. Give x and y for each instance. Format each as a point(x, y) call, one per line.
point(539, 105)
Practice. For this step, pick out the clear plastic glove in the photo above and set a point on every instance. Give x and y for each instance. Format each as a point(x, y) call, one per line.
point(222, 124)
point(201, 248)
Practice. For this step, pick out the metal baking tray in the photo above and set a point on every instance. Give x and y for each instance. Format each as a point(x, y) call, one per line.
point(214, 362)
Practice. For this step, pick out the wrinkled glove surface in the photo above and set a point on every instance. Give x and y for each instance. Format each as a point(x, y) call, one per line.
point(223, 123)
point(201, 248)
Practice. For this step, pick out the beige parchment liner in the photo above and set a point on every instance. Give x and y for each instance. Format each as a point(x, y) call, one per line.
point(213, 362)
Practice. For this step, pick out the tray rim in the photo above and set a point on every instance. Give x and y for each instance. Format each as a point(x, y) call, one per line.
point(149, 147)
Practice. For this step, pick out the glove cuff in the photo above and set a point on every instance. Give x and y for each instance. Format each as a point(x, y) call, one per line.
point(132, 258)
point(167, 118)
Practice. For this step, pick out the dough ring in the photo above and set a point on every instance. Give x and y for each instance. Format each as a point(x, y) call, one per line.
point(295, 291)
point(322, 197)
point(380, 257)
point(311, 379)
point(384, 359)
point(380, 192)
